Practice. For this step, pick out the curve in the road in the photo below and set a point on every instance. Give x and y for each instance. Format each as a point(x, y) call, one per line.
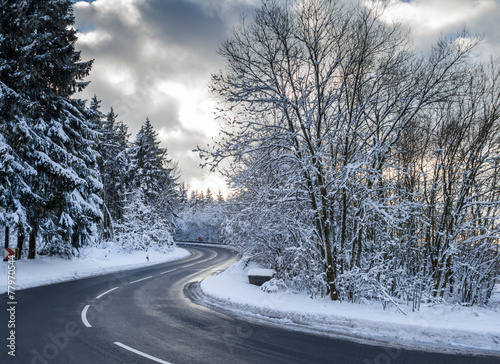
point(126, 347)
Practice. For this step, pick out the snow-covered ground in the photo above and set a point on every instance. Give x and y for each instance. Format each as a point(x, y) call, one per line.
point(442, 328)
point(92, 261)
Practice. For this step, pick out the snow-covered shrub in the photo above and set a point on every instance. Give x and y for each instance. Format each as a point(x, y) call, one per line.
point(142, 227)
point(274, 285)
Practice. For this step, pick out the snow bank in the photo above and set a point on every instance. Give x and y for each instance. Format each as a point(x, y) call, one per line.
point(261, 272)
point(443, 328)
point(92, 261)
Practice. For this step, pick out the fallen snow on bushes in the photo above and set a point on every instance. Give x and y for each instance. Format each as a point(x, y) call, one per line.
point(445, 328)
point(92, 261)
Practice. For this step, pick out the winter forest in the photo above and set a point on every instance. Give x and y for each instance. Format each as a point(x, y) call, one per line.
point(70, 177)
point(359, 166)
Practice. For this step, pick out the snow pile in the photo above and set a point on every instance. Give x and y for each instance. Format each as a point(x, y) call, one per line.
point(435, 327)
point(92, 261)
point(261, 272)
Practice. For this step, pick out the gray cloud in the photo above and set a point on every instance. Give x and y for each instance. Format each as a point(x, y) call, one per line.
point(151, 57)
point(428, 19)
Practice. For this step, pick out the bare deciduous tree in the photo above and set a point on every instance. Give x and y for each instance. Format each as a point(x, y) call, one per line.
point(322, 106)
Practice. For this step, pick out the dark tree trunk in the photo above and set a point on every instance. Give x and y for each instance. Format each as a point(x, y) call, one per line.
point(7, 236)
point(32, 245)
point(20, 242)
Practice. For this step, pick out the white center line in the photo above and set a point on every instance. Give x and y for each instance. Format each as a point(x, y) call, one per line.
point(102, 294)
point(142, 279)
point(84, 316)
point(141, 353)
point(168, 271)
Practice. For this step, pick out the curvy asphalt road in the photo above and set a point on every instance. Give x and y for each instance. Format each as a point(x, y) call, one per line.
point(144, 316)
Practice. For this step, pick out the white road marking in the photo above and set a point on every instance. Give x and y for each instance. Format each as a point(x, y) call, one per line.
point(142, 279)
point(102, 294)
point(141, 353)
point(84, 316)
point(168, 271)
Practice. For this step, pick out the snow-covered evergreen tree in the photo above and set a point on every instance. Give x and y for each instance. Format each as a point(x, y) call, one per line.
point(152, 181)
point(43, 70)
point(149, 163)
point(220, 197)
point(142, 227)
point(114, 165)
point(17, 200)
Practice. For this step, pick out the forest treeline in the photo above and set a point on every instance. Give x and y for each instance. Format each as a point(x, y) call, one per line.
point(363, 168)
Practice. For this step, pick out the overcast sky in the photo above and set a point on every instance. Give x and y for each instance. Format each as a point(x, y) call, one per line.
point(153, 58)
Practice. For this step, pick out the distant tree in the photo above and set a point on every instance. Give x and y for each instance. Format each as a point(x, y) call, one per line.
point(183, 194)
point(193, 197)
point(200, 219)
point(209, 196)
point(220, 197)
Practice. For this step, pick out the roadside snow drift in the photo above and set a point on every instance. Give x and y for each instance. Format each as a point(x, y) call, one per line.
point(435, 327)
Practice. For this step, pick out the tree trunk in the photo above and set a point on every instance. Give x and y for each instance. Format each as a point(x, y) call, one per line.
point(32, 245)
point(20, 242)
point(332, 288)
point(7, 236)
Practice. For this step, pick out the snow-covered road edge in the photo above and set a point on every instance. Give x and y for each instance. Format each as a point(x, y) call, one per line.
point(91, 262)
point(230, 292)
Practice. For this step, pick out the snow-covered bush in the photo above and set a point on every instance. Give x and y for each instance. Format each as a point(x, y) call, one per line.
point(142, 227)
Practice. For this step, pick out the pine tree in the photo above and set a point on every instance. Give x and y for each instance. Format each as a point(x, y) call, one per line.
point(183, 194)
point(18, 201)
point(142, 226)
point(16, 196)
point(60, 186)
point(113, 165)
point(220, 197)
point(193, 199)
point(209, 196)
point(148, 162)
point(152, 177)
point(117, 164)
point(38, 41)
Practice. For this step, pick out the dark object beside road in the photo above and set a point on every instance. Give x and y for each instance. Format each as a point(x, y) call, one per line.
point(260, 276)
